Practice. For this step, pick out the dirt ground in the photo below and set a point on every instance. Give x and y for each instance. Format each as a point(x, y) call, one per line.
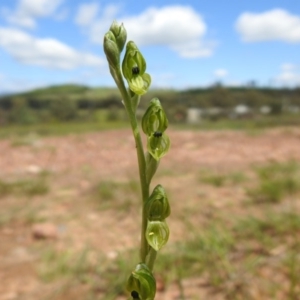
point(75, 164)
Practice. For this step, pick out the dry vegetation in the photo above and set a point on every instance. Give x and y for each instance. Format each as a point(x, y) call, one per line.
point(69, 207)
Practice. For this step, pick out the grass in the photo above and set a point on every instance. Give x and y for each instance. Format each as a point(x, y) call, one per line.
point(253, 126)
point(117, 119)
point(292, 265)
point(275, 182)
point(216, 180)
point(207, 252)
point(29, 139)
point(57, 129)
point(24, 214)
point(86, 268)
point(117, 195)
point(57, 265)
point(31, 216)
point(271, 229)
point(277, 235)
point(207, 255)
point(222, 257)
point(106, 190)
point(219, 180)
point(16, 198)
point(25, 187)
point(246, 252)
point(229, 258)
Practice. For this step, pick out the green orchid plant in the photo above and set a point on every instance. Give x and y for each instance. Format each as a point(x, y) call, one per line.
point(155, 206)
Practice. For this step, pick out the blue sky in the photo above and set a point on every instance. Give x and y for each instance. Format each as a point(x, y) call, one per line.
point(186, 43)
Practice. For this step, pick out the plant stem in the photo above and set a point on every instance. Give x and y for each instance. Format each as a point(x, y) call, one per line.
point(151, 258)
point(141, 157)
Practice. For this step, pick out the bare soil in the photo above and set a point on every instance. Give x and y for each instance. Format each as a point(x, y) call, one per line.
point(75, 164)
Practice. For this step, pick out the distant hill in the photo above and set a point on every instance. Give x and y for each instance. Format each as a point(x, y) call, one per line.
point(214, 96)
point(72, 91)
point(58, 89)
point(79, 93)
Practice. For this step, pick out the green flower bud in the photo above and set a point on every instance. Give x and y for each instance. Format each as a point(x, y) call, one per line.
point(157, 206)
point(158, 145)
point(141, 283)
point(140, 84)
point(111, 50)
point(154, 119)
point(133, 68)
point(120, 34)
point(157, 234)
point(134, 62)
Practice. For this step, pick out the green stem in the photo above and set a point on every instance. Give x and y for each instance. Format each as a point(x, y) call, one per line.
point(140, 154)
point(151, 258)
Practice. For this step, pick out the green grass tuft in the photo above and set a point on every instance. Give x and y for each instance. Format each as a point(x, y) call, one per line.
point(25, 187)
point(276, 181)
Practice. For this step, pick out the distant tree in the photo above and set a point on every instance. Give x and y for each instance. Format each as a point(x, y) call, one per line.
point(177, 113)
point(64, 109)
point(21, 113)
point(6, 103)
point(36, 103)
point(254, 98)
point(276, 107)
point(220, 97)
point(4, 116)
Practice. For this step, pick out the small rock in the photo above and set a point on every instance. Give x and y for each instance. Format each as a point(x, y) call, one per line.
point(21, 254)
point(44, 231)
point(92, 216)
point(160, 284)
point(33, 169)
point(112, 254)
point(278, 250)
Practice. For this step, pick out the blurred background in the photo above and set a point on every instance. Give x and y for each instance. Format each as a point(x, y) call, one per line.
point(228, 76)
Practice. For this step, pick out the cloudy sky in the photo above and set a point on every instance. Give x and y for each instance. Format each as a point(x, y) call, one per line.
point(186, 44)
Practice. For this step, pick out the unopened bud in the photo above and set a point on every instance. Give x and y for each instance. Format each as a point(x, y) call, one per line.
point(111, 49)
point(120, 34)
point(157, 207)
point(141, 283)
point(154, 120)
point(157, 234)
point(133, 68)
point(158, 145)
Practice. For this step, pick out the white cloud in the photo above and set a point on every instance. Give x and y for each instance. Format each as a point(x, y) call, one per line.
point(61, 15)
point(28, 10)
point(47, 52)
point(276, 24)
point(180, 28)
point(289, 75)
point(220, 73)
point(86, 14)
point(99, 26)
point(288, 67)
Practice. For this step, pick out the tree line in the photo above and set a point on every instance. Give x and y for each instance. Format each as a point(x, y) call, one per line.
point(72, 102)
